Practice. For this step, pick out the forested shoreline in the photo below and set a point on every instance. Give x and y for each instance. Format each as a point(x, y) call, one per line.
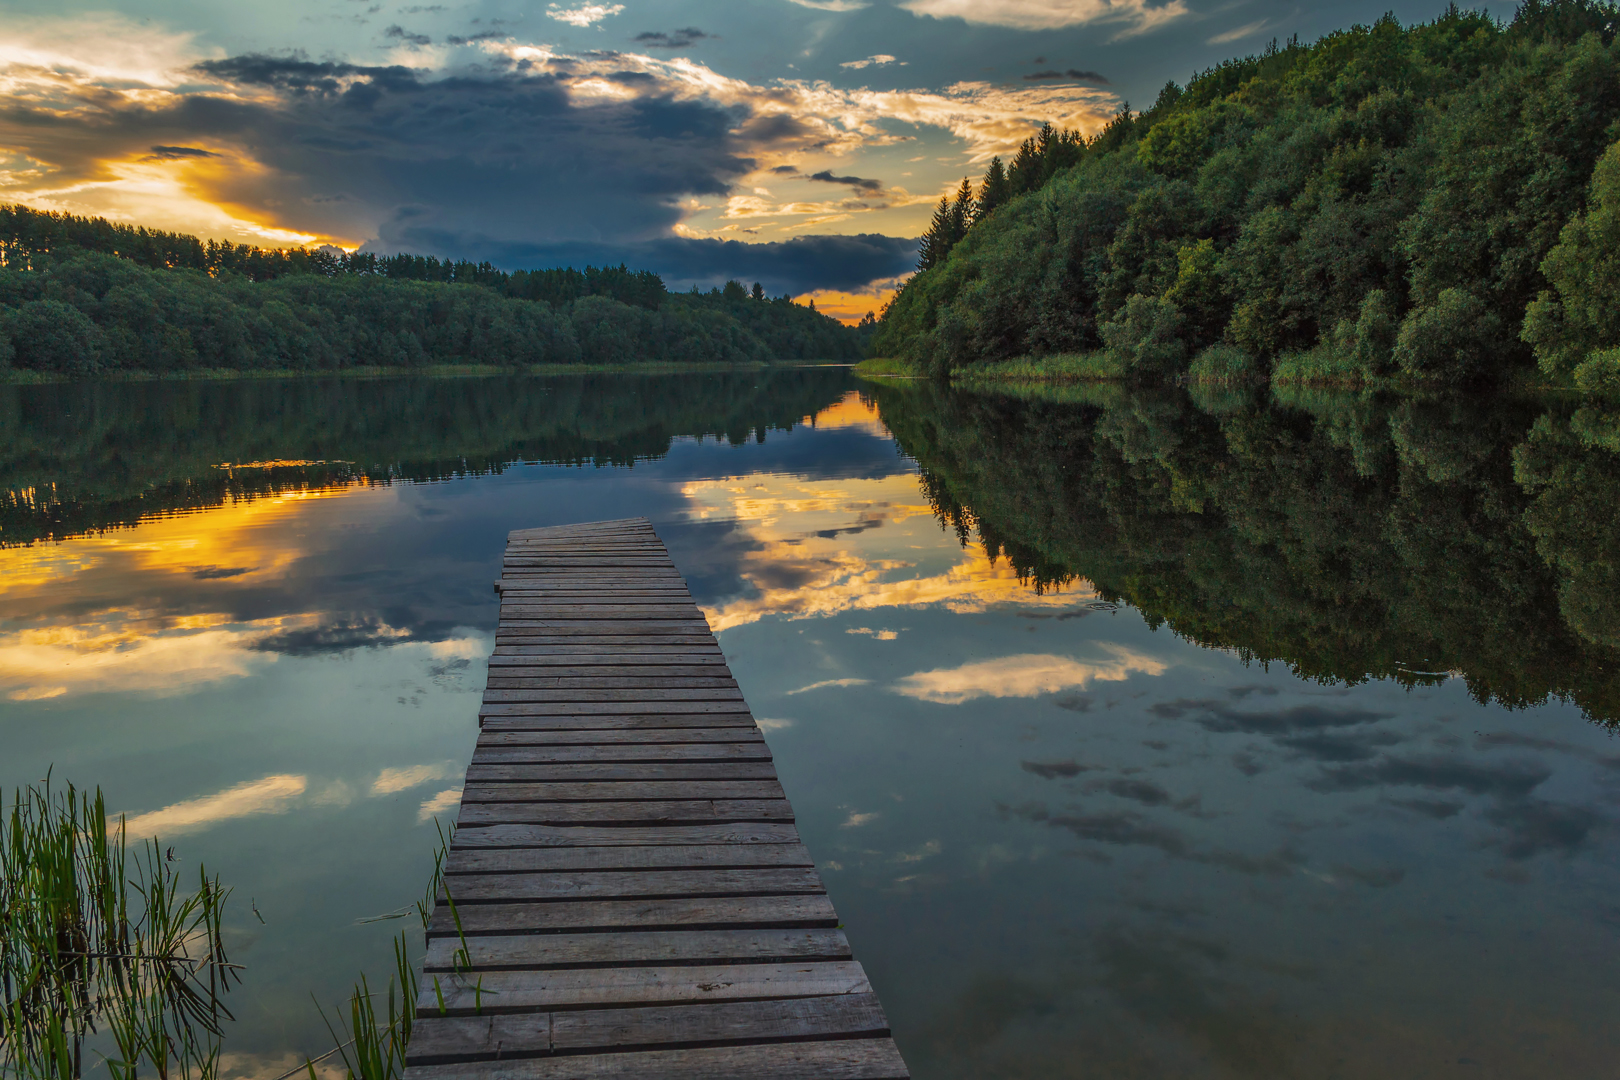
point(84, 296)
point(1437, 203)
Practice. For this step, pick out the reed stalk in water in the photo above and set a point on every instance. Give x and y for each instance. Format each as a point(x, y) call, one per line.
point(88, 950)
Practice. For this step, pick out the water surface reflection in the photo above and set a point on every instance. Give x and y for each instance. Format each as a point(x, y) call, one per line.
point(1207, 739)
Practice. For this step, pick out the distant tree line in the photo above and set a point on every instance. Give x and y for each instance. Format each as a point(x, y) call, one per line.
point(82, 296)
point(1438, 202)
point(25, 233)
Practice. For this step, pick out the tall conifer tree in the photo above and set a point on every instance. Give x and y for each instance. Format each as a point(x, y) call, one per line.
point(995, 190)
point(961, 211)
point(936, 242)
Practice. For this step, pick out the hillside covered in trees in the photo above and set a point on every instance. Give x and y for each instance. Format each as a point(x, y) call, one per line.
point(1437, 202)
point(82, 296)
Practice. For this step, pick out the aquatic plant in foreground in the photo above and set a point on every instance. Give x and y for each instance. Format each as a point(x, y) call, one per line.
point(88, 950)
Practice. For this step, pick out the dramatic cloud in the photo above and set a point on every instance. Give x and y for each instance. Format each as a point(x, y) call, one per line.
point(832, 5)
point(678, 39)
point(271, 795)
point(399, 33)
point(880, 60)
point(1133, 16)
point(859, 183)
point(584, 15)
point(1073, 73)
point(177, 153)
point(511, 152)
point(1029, 675)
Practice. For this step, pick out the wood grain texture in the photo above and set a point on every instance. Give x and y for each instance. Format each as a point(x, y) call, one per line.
point(805, 910)
point(546, 951)
point(444, 1039)
point(635, 883)
point(497, 992)
point(825, 1059)
point(626, 894)
point(628, 813)
point(546, 836)
point(735, 856)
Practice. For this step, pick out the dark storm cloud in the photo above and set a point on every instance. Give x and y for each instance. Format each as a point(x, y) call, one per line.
point(501, 165)
point(1071, 74)
point(1512, 780)
point(1439, 809)
point(334, 638)
point(1218, 716)
point(1051, 770)
point(859, 183)
point(795, 266)
point(1533, 826)
point(177, 153)
point(487, 35)
point(399, 33)
point(1341, 746)
point(1127, 828)
point(676, 39)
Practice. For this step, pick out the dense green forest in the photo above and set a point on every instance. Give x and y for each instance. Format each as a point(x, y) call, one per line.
point(1435, 203)
point(81, 296)
point(1345, 536)
point(82, 456)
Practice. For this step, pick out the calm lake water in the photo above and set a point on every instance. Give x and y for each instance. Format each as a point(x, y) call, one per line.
point(1136, 735)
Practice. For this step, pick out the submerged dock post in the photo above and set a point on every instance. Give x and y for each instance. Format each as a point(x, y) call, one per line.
point(630, 895)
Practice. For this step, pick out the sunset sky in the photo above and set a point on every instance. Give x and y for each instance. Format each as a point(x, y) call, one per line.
point(800, 143)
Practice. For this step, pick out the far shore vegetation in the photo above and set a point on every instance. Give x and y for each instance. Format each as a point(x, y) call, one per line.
point(88, 297)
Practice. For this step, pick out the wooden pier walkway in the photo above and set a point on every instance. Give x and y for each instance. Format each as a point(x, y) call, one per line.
point(632, 895)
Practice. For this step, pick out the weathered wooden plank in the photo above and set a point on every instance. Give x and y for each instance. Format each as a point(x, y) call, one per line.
point(542, 951)
point(636, 613)
point(616, 721)
point(610, 722)
point(589, 596)
point(583, 771)
point(601, 736)
point(562, 655)
point(468, 889)
point(547, 836)
point(496, 992)
point(718, 693)
point(711, 913)
point(508, 791)
point(825, 1059)
point(442, 1039)
point(648, 857)
point(670, 752)
point(502, 681)
point(605, 708)
point(609, 671)
point(629, 813)
point(567, 645)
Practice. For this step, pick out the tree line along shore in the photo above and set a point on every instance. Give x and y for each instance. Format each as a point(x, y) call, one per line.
point(1427, 204)
point(85, 296)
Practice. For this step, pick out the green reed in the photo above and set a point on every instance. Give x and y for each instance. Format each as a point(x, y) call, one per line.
point(86, 948)
point(376, 1041)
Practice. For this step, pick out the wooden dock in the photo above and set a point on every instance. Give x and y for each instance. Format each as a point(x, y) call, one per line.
point(632, 896)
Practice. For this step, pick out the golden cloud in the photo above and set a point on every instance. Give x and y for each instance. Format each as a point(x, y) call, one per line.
point(271, 795)
point(392, 781)
point(1026, 675)
point(1136, 16)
